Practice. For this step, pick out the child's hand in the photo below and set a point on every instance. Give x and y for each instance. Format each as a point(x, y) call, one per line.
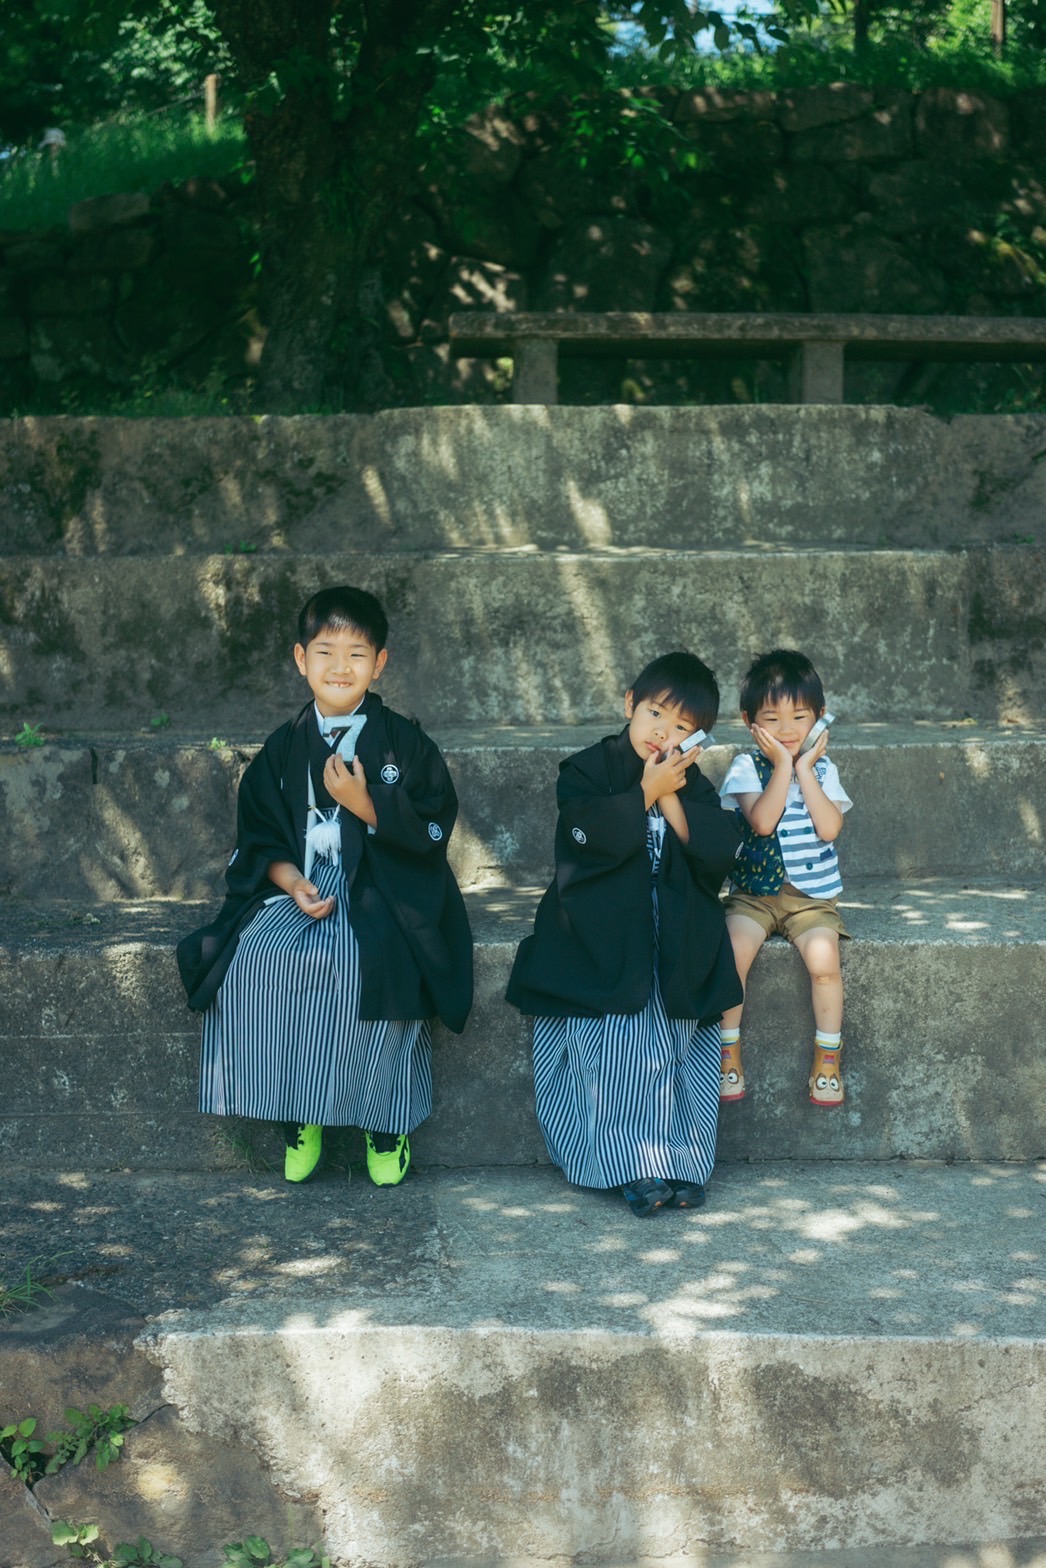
point(817, 750)
point(307, 897)
point(771, 747)
point(666, 775)
point(348, 786)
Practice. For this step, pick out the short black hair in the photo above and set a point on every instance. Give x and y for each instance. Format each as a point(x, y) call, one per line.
point(344, 609)
point(682, 679)
point(783, 672)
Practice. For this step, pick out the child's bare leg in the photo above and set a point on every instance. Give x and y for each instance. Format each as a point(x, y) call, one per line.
point(746, 938)
point(819, 949)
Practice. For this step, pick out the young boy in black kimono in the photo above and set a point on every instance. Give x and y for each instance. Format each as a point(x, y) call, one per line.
point(630, 966)
point(343, 931)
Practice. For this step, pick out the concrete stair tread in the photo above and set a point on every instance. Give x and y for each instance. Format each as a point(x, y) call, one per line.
point(858, 734)
point(932, 910)
point(1017, 1553)
point(373, 547)
point(906, 1249)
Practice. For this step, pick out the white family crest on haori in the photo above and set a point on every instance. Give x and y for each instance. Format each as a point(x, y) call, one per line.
point(435, 832)
point(389, 773)
point(578, 836)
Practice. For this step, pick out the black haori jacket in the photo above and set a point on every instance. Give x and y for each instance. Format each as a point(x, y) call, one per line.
point(592, 951)
point(405, 908)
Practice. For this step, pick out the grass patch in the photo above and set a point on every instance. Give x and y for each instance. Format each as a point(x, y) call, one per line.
point(37, 191)
point(25, 1292)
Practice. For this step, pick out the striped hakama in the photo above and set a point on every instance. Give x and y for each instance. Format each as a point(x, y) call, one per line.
point(283, 1039)
point(629, 1095)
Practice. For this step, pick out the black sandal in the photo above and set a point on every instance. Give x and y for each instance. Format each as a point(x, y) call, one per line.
point(646, 1195)
point(687, 1194)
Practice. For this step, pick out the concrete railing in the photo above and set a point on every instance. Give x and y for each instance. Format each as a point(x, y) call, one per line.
point(816, 347)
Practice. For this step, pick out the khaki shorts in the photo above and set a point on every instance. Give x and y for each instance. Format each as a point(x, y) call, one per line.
point(788, 912)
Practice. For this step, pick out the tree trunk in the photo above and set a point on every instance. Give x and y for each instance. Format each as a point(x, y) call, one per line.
point(861, 20)
point(301, 254)
point(327, 185)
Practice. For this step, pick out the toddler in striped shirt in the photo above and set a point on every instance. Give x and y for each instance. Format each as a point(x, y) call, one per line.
point(790, 803)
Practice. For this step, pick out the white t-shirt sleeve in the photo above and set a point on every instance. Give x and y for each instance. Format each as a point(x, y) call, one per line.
point(741, 779)
point(832, 786)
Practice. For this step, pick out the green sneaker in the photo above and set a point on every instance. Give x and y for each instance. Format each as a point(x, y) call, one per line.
point(388, 1157)
point(304, 1147)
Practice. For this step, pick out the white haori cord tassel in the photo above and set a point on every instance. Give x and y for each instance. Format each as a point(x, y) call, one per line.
point(323, 838)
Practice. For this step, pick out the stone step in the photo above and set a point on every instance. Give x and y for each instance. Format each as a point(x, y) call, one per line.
point(522, 637)
point(550, 478)
point(942, 978)
point(488, 1366)
point(109, 817)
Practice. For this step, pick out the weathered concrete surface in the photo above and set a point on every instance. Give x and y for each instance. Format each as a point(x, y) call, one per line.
point(143, 818)
point(821, 1357)
point(25, 1528)
point(503, 638)
point(556, 478)
point(944, 1017)
point(854, 1349)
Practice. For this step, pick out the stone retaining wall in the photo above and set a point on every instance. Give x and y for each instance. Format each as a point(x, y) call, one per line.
point(835, 198)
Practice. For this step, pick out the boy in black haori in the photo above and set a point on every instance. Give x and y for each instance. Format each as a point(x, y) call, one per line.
point(630, 966)
point(343, 931)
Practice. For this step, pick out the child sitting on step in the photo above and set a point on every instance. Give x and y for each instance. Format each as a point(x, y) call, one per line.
point(629, 966)
point(343, 931)
point(790, 804)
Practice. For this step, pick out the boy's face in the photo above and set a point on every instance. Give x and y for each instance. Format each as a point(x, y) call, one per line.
point(788, 721)
point(339, 667)
point(656, 725)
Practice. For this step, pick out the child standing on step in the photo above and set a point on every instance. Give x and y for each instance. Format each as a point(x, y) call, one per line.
point(629, 966)
point(343, 931)
point(790, 803)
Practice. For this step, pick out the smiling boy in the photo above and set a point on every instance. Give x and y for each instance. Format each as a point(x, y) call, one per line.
point(786, 879)
point(317, 1004)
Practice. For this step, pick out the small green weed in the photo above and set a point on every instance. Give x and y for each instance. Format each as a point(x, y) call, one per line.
point(76, 1536)
point(23, 1452)
point(82, 1541)
point(97, 1429)
point(255, 1552)
point(23, 1295)
point(235, 1140)
point(216, 743)
point(60, 922)
point(94, 1429)
point(159, 721)
point(245, 547)
point(29, 735)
